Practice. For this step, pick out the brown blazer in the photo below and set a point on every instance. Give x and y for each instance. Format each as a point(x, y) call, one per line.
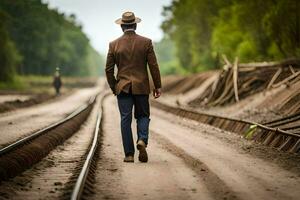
point(131, 53)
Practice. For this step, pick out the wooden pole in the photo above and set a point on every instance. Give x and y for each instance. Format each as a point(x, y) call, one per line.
point(227, 63)
point(292, 69)
point(274, 78)
point(286, 79)
point(235, 79)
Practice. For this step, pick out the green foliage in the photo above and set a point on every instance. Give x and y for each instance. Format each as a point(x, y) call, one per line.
point(95, 63)
point(47, 39)
point(43, 84)
point(252, 30)
point(9, 56)
point(189, 23)
point(165, 51)
point(14, 84)
point(282, 23)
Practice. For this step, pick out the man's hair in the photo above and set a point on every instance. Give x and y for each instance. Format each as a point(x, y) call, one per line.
point(128, 26)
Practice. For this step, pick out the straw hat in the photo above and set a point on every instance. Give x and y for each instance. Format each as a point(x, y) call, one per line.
point(128, 18)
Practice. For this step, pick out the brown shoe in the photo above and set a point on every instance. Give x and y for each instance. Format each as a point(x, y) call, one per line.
point(129, 159)
point(141, 146)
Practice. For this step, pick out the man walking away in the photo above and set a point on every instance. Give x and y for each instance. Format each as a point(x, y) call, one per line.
point(131, 53)
point(57, 81)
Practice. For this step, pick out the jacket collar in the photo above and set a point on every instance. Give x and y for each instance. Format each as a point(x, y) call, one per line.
point(129, 31)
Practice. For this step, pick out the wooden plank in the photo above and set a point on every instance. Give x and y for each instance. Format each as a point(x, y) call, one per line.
point(222, 93)
point(276, 75)
point(286, 80)
point(295, 148)
point(292, 69)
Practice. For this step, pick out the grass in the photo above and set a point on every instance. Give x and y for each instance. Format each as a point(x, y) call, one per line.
point(43, 84)
point(17, 84)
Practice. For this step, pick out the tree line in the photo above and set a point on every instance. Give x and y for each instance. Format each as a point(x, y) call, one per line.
point(255, 30)
point(35, 40)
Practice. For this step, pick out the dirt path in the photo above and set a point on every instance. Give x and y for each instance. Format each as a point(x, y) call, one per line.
point(165, 176)
point(13, 97)
point(20, 123)
point(186, 163)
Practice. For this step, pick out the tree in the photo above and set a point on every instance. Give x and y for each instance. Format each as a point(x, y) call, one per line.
point(165, 50)
point(47, 39)
point(251, 30)
point(9, 57)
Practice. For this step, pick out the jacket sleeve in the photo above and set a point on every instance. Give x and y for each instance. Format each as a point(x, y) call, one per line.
point(110, 68)
point(153, 66)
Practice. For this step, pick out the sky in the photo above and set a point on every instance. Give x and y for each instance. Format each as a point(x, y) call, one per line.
point(98, 16)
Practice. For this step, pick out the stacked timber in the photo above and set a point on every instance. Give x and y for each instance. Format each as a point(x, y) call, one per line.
point(237, 81)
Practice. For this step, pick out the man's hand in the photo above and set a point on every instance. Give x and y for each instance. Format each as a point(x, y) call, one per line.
point(156, 93)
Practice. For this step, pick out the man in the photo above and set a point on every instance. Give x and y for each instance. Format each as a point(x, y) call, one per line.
point(57, 81)
point(131, 53)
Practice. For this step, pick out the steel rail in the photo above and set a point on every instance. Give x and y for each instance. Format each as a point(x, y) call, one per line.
point(26, 139)
point(284, 120)
point(79, 185)
point(233, 119)
point(291, 61)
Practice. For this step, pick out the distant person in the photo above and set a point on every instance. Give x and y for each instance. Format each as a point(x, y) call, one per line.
point(57, 81)
point(131, 53)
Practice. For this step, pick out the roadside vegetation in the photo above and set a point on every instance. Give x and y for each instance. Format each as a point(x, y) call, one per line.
point(36, 84)
point(198, 32)
point(34, 40)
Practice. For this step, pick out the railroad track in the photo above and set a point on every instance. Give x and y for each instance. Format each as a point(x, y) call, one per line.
point(83, 183)
point(74, 163)
point(24, 153)
point(270, 134)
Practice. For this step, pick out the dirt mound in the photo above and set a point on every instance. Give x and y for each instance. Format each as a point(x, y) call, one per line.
point(181, 85)
point(36, 99)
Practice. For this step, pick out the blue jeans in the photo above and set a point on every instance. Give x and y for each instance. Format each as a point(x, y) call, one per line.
point(126, 101)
